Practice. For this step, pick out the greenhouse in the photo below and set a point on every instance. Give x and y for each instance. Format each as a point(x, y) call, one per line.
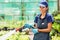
point(15, 13)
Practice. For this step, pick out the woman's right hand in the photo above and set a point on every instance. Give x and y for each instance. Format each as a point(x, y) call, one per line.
point(17, 29)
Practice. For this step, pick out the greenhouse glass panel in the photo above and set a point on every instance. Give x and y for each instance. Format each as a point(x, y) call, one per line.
point(8, 17)
point(1, 0)
point(10, 5)
point(31, 0)
point(15, 17)
point(10, 9)
point(30, 6)
point(14, 0)
point(52, 0)
point(10, 0)
point(30, 9)
point(52, 6)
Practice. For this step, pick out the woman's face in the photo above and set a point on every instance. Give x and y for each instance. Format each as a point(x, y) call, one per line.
point(43, 9)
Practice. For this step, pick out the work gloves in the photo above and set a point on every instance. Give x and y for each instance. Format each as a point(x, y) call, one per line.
point(32, 30)
point(35, 31)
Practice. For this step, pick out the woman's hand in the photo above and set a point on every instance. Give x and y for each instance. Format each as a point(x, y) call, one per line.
point(32, 30)
point(25, 30)
point(48, 29)
point(17, 29)
point(35, 31)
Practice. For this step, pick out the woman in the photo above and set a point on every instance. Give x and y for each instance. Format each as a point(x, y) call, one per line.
point(43, 22)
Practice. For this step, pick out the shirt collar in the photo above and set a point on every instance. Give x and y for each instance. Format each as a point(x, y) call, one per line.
point(44, 17)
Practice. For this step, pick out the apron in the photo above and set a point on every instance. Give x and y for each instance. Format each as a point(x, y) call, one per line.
point(42, 24)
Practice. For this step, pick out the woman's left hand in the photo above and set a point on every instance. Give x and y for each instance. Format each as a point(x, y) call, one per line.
point(35, 31)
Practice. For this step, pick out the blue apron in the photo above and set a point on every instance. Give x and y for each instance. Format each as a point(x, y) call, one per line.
point(42, 24)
